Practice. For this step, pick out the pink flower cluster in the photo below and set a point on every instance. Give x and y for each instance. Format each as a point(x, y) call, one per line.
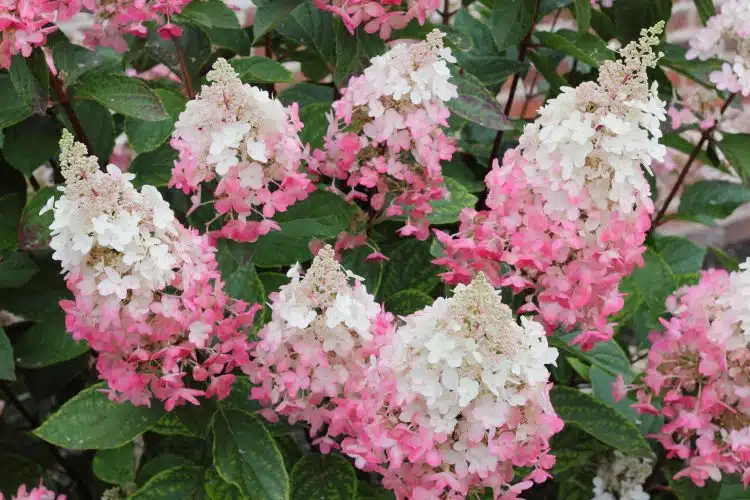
point(38, 493)
point(247, 140)
point(379, 16)
point(391, 143)
point(452, 400)
point(568, 209)
point(727, 36)
point(25, 24)
point(698, 372)
point(147, 295)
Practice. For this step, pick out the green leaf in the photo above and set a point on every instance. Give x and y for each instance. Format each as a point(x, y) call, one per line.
point(47, 343)
point(218, 489)
point(406, 302)
point(634, 15)
point(12, 108)
point(7, 366)
point(16, 269)
point(410, 267)
point(211, 14)
point(548, 69)
point(31, 143)
point(154, 167)
point(447, 211)
point(145, 136)
point(115, 466)
point(675, 141)
point(313, 28)
point(329, 477)
point(235, 40)
point(371, 271)
point(353, 52)
point(33, 228)
point(601, 384)
point(608, 355)
point(653, 282)
point(705, 9)
point(161, 463)
point(72, 61)
point(241, 280)
point(586, 47)
point(680, 254)
point(458, 170)
point(510, 21)
point(602, 24)
point(178, 483)
point(90, 420)
point(476, 104)
point(695, 69)
point(582, 10)
point(27, 86)
point(547, 6)
point(259, 69)
point(725, 260)
point(322, 215)
point(270, 13)
point(98, 125)
point(599, 420)
point(171, 425)
point(246, 456)
point(490, 70)
point(736, 147)
point(477, 31)
point(11, 206)
point(368, 491)
point(194, 42)
point(123, 94)
point(305, 94)
point(708, 200)
point(313, 116)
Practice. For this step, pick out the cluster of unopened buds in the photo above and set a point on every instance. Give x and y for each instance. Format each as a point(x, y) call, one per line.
point(453, 399)
point(697, 377)
point(621, 477)
point(385, 136)
point(239, 135)
point(726, 36)
point(379, 16)
point(37, 493)
point(570, 206)
point(147, 295)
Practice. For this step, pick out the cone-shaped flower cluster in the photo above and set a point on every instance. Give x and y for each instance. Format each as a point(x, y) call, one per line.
point(238, 134)
point(146, 290)
point(454, 399)
point(470, 401)
point(569, 207)
point(316, 346)
point(379, 16)
point(385, 137)
point(697, 377)
point(727, 36)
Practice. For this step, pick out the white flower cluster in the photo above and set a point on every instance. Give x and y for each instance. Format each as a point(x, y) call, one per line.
point(593, 139)
point(117, 242)
point(322, 307)
point(227, 124)
point(622, 478)
point(419, 71)
point(468, 360)
point(733, 327)
point(727, 36)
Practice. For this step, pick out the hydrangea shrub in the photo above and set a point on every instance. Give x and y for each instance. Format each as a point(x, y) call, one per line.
point(370, 249)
